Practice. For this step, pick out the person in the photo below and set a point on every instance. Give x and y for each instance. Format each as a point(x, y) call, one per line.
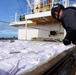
point(67, 16)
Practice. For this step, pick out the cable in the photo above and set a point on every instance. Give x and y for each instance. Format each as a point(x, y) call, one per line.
point(29, 4)
point(4, 21)
point(20, 6)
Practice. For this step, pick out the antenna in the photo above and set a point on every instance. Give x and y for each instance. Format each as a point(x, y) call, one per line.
point(16, 12)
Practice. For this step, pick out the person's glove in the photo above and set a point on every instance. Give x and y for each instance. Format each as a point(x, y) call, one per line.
point(66, 42)
point(74, 42)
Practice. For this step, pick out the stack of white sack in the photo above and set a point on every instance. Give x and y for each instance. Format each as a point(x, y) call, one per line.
point(9, 67)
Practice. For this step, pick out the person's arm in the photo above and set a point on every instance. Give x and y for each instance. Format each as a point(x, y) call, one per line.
point(69, 37)
point(70, 23)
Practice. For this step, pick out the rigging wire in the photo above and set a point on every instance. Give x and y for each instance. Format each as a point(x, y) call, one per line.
point(4, 21)
point(20, 6)
point(21, 11)
point(29, 4)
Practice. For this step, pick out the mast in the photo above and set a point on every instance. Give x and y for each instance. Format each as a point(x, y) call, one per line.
point(66, 3)
point(29, 4)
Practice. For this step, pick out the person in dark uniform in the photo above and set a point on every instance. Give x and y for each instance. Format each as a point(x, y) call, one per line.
point(67, 16)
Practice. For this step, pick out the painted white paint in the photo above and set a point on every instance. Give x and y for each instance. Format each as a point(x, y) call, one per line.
point(40, 31)
point(36, 15)
point(24, 34)
point(32, 33)
point(21, 33)
point(20, 23)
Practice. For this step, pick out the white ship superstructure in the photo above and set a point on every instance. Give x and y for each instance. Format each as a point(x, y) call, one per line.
point(39, 23)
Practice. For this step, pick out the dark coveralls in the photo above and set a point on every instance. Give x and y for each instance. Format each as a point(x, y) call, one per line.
point(69, 24)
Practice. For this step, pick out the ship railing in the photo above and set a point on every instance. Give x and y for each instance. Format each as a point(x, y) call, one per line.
point(44, 7)
point(18, 17)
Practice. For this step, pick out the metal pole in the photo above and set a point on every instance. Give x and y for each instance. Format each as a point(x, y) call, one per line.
point(68, 3)
point(52, 2)
point(65, 3)
point(26, 30)
point(16, 15)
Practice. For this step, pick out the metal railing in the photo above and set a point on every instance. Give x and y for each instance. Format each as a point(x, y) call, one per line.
point(20, 17)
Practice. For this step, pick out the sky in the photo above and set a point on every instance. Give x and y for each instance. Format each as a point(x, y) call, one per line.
point(7, 11)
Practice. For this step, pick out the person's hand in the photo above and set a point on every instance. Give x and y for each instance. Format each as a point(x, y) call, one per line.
point(66, 42)
point(74, 42)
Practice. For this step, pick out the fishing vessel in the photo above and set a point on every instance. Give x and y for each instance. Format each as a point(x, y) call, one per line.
point(38, 57)
point(38, 24)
